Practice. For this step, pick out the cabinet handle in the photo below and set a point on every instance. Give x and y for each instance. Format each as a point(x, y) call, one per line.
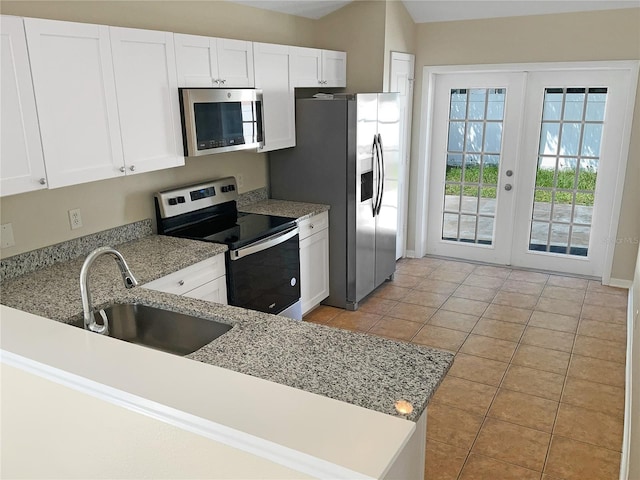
point(122, 169)
point(181, 283)
point(42, 181)
point(132, 168)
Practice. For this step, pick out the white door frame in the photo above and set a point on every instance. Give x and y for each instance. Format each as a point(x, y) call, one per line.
point(426, 123)
point(405, 147)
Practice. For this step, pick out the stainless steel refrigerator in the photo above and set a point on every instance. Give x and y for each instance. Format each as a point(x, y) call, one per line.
point(346, 156)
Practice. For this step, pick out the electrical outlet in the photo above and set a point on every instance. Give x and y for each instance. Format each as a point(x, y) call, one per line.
point(6, 235)
point(75, 219)
point(240, 181)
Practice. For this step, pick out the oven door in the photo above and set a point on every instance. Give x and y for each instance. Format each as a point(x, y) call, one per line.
point(265, 275)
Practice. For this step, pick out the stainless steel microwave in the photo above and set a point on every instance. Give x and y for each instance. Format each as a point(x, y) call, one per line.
point(216, 120)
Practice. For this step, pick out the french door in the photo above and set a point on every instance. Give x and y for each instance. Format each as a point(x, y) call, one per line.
point(524, 166)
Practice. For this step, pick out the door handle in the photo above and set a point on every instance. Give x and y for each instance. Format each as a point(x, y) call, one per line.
point(381, 160)
point(268, 242)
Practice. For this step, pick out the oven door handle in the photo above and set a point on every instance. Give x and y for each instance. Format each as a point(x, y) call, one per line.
point(268, 242)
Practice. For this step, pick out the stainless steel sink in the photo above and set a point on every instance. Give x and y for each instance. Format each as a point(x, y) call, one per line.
point(157, 328)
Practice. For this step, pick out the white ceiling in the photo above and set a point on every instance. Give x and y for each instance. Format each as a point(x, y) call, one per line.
point(423, 11)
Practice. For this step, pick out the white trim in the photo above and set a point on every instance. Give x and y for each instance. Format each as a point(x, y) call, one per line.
point(626, 438)
point(410, 254)
point(404, 201)
point(622, 170)
point(260, 447)
point(426, 122)
point(619, 283)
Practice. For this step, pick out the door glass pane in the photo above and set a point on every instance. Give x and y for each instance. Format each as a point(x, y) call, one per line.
point(572, 119)
point(473, 162)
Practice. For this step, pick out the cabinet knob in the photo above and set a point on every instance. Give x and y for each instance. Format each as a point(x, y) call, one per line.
point(223, 81)
point(311, 226)
point(216, 81)
point(42, 181)
point(132, 168)
point(181, 283)
point(122, 169)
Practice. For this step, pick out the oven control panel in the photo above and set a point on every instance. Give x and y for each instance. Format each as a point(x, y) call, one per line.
point(194, 197)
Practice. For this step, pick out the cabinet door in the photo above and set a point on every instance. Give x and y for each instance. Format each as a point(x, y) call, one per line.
point(314, 269)
point(22, 165)
point(76, 98)
point(334, 68)
point(147, 88)
point(307, 66)
point(196, 61)
point(273, 72)
point(213, 291)
point(235, 63)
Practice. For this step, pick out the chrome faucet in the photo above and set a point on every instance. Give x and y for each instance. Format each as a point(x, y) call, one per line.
point(87, 307)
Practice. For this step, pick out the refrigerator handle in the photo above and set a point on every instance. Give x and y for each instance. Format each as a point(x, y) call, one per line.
point(375, 169)
point(381, 175)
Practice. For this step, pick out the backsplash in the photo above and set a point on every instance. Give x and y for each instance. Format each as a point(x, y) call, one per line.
point(253, 196)
point(43, 257)
point(22, 263)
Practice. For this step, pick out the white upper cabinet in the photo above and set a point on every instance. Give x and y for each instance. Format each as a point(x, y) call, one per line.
point(273, 72)
point(319, 68)
point(148, 106)
point(76, 99)
point(21, 161)
point(213, 62)
point(334, 68)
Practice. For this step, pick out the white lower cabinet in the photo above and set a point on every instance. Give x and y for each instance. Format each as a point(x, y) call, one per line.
point(204, 280)
point(314, 260)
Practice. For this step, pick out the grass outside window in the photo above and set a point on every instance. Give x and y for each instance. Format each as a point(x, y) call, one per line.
point(546, 184)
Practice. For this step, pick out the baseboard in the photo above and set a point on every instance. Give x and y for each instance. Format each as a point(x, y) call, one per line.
point(410, 254)
point(626, 439)
point(619, 283)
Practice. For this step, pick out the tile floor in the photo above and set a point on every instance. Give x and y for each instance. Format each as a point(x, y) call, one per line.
point(536, 390)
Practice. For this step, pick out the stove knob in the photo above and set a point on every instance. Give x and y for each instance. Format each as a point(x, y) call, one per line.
point(173, 201)
point(225, 189)
point(181, 199)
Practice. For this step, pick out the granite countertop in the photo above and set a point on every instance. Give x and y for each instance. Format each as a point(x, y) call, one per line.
point(356, 368)
point(284, 208)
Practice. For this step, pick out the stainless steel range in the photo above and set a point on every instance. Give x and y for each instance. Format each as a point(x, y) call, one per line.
point(263, 260)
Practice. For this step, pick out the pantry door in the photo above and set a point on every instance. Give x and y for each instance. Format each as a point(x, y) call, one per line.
point(568, 167)
point(475, 138)
point(526, 168)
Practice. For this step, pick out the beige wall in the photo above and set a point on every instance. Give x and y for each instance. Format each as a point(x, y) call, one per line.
point(359, 29)
point(400, 36)
point(40, 218)
point(605, 35)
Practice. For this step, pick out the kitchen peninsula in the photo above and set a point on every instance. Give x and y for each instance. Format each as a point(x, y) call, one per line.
point(339, 418)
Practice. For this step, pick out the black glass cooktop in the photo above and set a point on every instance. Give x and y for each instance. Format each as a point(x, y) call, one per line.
point(236, 232)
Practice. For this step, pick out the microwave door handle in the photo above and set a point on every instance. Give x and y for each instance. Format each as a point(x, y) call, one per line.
point(262, 245)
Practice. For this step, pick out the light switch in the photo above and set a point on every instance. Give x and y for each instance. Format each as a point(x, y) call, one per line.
point(6, 236)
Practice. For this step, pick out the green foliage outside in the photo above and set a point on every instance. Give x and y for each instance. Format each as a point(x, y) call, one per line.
point(544, 181)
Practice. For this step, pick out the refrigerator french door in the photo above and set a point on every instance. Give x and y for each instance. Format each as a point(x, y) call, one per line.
point(346, 156)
